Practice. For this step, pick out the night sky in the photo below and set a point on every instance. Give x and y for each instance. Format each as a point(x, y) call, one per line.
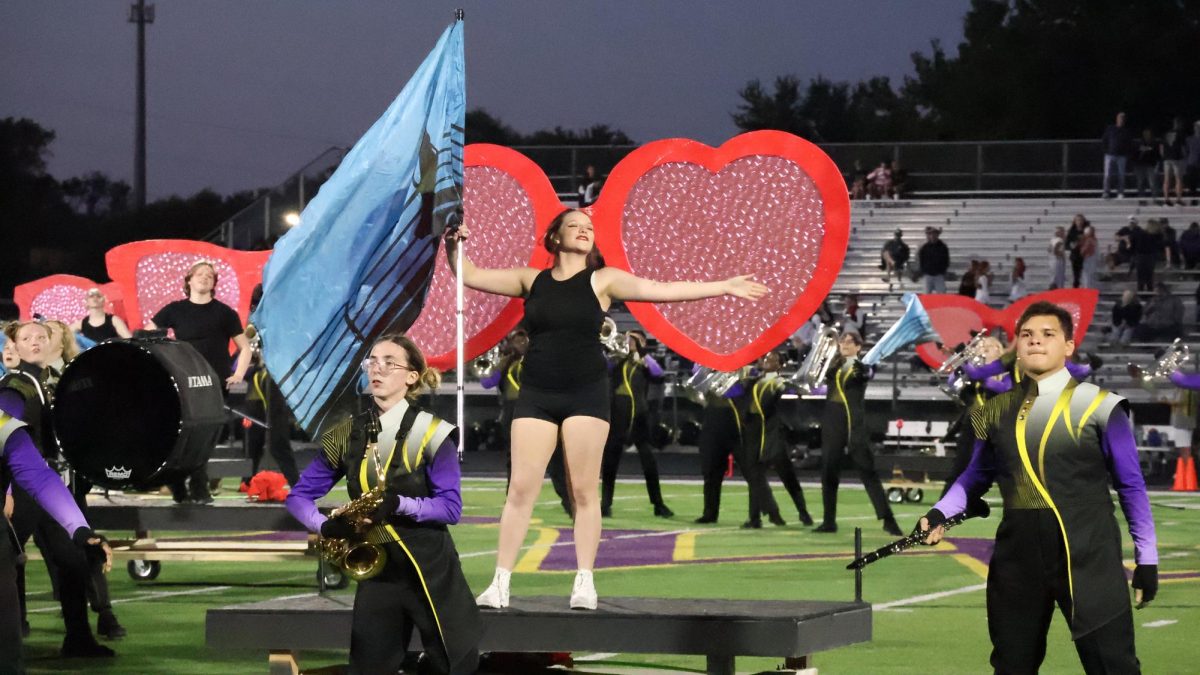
point(242, 93)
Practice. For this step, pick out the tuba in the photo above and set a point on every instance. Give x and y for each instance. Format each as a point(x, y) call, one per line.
point(359, 558)
point(612, 339)
point(971, 353)
point(816, 363)
point(1172, 360)
point(708, 381)
point(483, 365)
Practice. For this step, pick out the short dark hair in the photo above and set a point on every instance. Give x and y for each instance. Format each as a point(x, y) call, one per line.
point(1044, 308)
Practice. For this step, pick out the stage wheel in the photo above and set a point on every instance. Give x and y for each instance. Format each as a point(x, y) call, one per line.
point(335, 578)
point(914, 495)
point(143, 570)
point(895, 495)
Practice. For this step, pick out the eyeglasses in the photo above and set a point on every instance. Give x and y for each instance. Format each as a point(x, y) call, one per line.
point(386, 366)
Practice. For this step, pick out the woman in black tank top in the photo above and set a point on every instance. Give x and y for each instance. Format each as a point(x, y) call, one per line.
point(99, 326)
point(565, 379)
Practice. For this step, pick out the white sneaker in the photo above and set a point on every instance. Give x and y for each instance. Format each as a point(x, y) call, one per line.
point(583, 595)
point(496, 595)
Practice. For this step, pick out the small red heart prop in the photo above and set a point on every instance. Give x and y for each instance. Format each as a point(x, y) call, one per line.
point(61, 297)
point(956, 316)
point(507, 204)
point(765, 203)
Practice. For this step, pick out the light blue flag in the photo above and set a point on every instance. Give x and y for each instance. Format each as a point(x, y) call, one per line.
point(358, 264)
point(914, 327)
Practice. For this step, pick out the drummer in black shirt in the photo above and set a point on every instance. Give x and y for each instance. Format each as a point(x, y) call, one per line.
point(208, 325)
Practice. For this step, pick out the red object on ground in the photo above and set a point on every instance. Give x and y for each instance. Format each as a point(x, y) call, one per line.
point(267, 486)
point(1185, 475)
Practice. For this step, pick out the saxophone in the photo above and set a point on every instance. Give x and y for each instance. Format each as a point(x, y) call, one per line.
point(359, 558)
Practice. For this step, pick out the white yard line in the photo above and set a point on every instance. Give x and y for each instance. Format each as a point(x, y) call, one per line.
point(928, 596)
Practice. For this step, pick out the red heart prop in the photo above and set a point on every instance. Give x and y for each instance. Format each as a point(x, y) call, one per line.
point(507, 204)
point(955, 316)
point(61, 297)
point(764, 203)
point(151, 274)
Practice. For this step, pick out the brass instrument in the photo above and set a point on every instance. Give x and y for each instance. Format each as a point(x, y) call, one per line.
point(971, 353)
point(613, 340)
point(707, 381)
point(816, 363)
point(359, 558)
point(1172, 360)
point(486, 363)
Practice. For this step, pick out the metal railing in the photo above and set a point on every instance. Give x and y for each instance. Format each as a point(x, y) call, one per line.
point(935, 169)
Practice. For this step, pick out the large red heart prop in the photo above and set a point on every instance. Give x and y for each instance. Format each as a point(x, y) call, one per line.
point(956, 316)
point(61, 297)
point(507, 204)
point(151, 273)
point(765, 203)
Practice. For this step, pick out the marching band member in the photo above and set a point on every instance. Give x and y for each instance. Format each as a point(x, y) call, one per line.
point(720, 435)
point(844, 428)
point(422, 584)
point(43, 506)
point(630, 423)
point(1054, 444)
point(972, 396)
point(764, 444)
point(565, 390)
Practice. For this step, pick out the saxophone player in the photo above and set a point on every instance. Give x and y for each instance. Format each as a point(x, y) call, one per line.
point(422, 584)
point(1054, 444)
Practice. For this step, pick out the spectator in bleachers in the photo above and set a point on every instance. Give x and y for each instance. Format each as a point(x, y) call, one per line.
point(894, 256)
point(1145, 161)
point(853, 318)
point(1193, 159)
point(1116, 141)
point(1016, 281)
point(1147, 245)
point(1074, 234)
point(966, 283)
point(1174, 155)
point(1089, 250)
point(899, 180)
point(1126, 315)
point(589, 186)
point(1058, 258)
point(1189, 246)
point(1170, 244)
point(879, 181)
point(983, 282)
point(1124, 252)
point(858, 181)
point(934, 259)
point(1162, 320)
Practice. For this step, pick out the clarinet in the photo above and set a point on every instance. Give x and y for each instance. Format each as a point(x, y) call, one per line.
point(911, 540)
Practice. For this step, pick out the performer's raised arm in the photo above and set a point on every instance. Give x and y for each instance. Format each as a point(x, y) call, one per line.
point(514, 282)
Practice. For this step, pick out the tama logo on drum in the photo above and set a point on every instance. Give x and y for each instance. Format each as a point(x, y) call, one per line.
point(196, 381)
point(118, 472)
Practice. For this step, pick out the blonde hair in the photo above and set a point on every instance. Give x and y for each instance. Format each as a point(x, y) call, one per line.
point(14, 327)
point(429, 378)
point(70, 348)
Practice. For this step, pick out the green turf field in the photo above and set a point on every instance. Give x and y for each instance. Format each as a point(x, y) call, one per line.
point(929, 606)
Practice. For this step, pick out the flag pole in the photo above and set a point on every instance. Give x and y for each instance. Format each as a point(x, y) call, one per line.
point(459, 330)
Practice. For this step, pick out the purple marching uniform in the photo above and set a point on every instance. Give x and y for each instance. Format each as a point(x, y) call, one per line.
point(1186, 380)
point(1053, 447)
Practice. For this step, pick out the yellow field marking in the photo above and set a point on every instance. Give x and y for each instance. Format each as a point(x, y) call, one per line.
point(976, 566)
point(685, 547)
point(532, 560)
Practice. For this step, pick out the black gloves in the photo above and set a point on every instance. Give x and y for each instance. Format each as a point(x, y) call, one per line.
point(934, 517)
point(94, 552)
point(337, 528)
point(387, 508)
point(1145, 579)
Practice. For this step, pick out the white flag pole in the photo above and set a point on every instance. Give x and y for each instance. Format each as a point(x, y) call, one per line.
point(459, 338)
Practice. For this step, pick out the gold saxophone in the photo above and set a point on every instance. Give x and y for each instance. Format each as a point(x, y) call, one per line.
point(356, 556)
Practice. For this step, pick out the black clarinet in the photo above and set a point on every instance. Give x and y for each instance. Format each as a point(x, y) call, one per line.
point(917, 537)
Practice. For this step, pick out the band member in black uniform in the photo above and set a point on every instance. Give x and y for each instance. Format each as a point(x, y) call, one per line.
point(506, 380)
point(720, 436)
point(631, 377)
point(23, 398)
point(1054, 445)
point(99, 325)
point(972, 396)
point(422, 583)
point(565, 390)
point(844, 432)
point(764, 445)
point(208, 325)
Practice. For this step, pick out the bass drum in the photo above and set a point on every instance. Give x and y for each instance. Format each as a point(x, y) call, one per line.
point(138, 413)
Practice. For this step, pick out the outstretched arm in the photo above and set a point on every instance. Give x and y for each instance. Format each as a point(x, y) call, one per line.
point(618, 284)
point(514, 282)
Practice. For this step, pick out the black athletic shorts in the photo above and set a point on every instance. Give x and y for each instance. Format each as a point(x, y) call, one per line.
point(590, 400)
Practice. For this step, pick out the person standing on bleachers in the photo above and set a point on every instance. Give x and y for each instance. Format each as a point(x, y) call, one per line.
point(1116, 142)
point(1174, 155)
point(1189, 246)
point(1089, 251)
point(1058, 258)
point(844, 432)
point(1193, 160)
point(1075, 233)
point(934, 259)
point(1147, 245)
point(1145, 161)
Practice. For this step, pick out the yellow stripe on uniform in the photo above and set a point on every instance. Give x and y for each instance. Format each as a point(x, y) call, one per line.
point(1062, 407)
point(1088, 413)
point(762, 427)
point(420, 575)
point(837, 381)
point(425, 442)
point(1024, 452)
